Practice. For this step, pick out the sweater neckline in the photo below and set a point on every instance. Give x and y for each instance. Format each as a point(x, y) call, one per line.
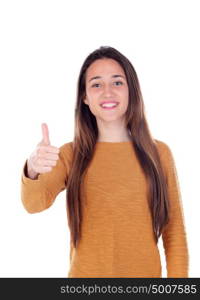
point(114, 143)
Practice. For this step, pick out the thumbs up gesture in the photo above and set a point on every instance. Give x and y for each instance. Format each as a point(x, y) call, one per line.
point(44, 157)
point(45, 134)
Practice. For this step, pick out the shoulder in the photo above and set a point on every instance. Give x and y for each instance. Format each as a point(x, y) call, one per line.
point(66, 147)
point(66, 151)
point(165, 154)
point(163, 148)
point(168, 162)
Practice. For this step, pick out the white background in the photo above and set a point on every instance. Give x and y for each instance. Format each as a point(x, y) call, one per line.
point(42, 47)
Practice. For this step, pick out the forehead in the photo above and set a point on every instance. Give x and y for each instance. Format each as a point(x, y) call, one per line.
point(104, 67)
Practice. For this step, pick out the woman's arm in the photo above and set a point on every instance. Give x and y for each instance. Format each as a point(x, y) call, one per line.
point(174, 235)
point(38, 194)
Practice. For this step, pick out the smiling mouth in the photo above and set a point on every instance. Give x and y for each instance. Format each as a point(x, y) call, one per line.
point(109, 106)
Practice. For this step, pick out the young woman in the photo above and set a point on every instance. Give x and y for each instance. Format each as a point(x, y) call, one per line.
point(122, 190)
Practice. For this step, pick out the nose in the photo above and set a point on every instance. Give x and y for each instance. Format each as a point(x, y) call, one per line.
point(108, 90)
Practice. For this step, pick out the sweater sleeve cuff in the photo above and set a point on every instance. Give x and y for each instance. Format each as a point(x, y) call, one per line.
point(25, 178)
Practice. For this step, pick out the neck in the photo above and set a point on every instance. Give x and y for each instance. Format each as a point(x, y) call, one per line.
point(110, 133)
point(114, 139)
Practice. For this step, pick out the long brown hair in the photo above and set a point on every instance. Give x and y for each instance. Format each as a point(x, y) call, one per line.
point(85, 138)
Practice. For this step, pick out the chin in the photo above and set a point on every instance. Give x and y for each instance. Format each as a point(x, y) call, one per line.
point(110, 118)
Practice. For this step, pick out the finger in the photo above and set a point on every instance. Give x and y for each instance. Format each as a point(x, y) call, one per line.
point(45, 134)
point(49, 163)
point(43, 162)
point(49, 156)
point(49, 149)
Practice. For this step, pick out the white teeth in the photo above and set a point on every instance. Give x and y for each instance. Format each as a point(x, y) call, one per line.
point(109, 105)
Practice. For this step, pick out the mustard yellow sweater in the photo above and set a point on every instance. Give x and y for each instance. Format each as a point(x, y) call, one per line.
point(117, 234)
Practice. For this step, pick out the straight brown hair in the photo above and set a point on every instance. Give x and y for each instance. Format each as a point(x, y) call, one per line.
point(85, 138)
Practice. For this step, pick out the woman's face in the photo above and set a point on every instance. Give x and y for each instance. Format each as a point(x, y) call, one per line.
point(108, 85)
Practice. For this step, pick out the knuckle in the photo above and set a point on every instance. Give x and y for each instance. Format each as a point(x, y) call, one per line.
point(38, 151)
point(39, 155)
point(39, 161)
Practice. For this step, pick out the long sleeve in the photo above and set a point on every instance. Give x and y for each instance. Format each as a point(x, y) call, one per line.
point(174, 235)
point(39, 194)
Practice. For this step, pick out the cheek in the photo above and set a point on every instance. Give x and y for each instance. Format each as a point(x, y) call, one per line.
point(126, 100)
point(124, 91)
point(92, 94)
point(125, 95)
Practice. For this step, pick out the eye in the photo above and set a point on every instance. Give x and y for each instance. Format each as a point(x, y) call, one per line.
point(119, 82)
point(95, 84)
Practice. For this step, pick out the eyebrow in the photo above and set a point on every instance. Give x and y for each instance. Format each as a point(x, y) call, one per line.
point(114, 76)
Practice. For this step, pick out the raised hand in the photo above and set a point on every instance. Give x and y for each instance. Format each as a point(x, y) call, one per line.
point(44, 157)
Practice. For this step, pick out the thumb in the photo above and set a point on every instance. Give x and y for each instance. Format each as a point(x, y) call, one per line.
point(45, 134)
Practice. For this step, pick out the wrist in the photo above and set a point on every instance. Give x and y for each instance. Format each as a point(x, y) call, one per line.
point(31, 173)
